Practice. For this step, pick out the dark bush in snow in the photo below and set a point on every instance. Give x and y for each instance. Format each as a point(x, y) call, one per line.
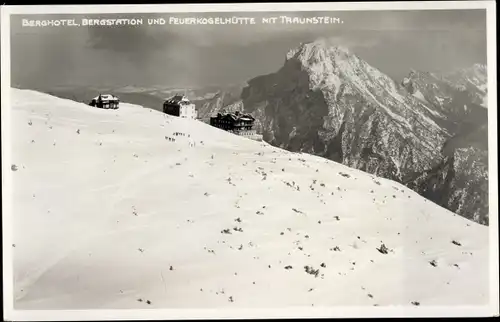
point(383, 249)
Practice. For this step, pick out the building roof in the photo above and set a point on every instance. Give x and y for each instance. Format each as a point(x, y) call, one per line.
point(247, 118)
point(106, 97)
point(176, 99)
point(237, 116)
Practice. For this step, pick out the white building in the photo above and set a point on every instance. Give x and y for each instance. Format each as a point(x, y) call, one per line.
point(105, 101)
point(180, 106)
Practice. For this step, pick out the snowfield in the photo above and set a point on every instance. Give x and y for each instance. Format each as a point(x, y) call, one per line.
point(131, 209)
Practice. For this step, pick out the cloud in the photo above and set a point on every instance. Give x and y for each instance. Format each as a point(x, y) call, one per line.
point(392, 41)
point(152, 38)
point(123, 39)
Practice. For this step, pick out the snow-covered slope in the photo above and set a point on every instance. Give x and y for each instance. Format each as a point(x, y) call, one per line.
point(110, 212)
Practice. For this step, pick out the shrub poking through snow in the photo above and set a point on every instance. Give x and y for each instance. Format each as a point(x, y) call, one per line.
point(292, 185)
point(225, 231)
point(344, 175)
point(311, 270)
point(383, 249)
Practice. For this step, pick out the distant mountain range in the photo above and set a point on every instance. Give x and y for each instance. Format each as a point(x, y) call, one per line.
point(208, 100)
point(428, 131)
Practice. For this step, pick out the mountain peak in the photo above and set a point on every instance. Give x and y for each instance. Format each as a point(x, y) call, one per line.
point(320, 49)
point(478, 66)
point(477, 69)
point(330, 44)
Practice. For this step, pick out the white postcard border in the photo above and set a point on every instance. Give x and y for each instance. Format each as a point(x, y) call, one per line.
point(153, 314)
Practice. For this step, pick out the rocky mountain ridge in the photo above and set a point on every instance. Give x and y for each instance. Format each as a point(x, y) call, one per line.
point(327, 101)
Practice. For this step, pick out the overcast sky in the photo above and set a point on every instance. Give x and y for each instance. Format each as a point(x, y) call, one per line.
point(173, 55)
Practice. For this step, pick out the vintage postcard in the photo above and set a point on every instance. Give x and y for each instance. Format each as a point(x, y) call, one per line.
point(249, 161)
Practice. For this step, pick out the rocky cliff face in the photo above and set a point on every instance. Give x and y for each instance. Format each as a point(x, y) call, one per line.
point(458, 99)
point(473, 80)
point(459, 181)
point(327, 101)
point(224, 98)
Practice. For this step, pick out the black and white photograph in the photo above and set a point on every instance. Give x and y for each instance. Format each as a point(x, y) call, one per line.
point(338, 159)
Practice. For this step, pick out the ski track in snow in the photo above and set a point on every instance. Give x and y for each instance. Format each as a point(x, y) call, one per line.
point(118, 215)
